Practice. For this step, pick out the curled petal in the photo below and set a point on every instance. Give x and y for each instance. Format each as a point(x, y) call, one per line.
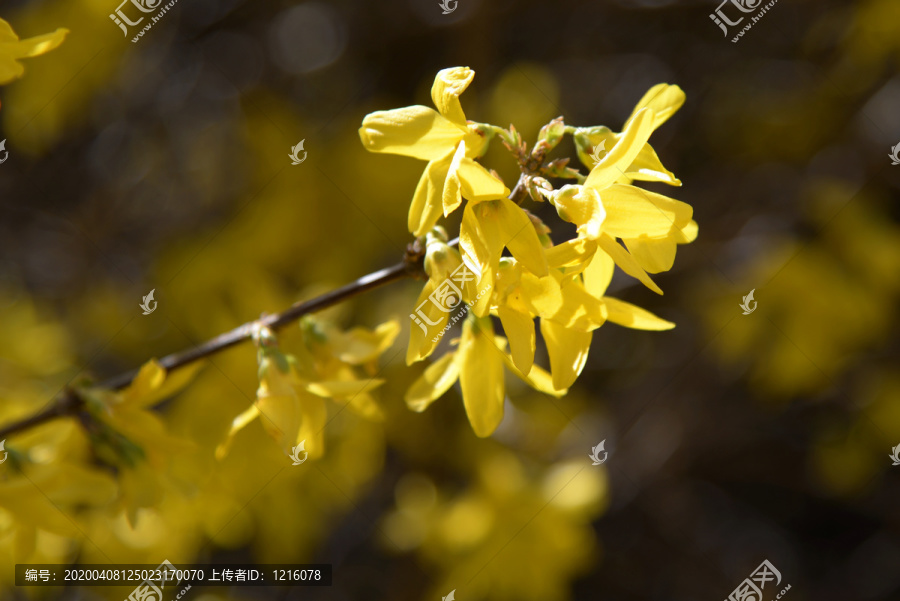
point(448, 85)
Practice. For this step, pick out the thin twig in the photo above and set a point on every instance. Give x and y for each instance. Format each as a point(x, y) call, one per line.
point(69, 403)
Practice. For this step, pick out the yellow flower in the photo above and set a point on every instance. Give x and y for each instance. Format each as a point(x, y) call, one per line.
point(443, 138)
point(570, 305)
point(604, 208)
point(290, 402)
point(478, 365)
point(12, 49)
point(664, 100)
point(127, 434)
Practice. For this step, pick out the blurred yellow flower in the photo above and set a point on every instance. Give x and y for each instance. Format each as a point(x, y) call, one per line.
point(443, 138)
point(128, 435)
point(292, 388)
point(12, 49)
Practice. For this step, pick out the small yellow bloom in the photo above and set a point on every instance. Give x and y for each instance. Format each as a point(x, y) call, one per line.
point(607, 207)
point(132, 437)
point(663, 100)
point(12, 49)
point(478, 366)
point(290, 403)
point(443, 138)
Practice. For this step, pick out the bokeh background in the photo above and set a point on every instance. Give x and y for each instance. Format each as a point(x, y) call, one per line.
point(163, 164)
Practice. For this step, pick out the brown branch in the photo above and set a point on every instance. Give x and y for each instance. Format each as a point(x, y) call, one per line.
point(69, 403)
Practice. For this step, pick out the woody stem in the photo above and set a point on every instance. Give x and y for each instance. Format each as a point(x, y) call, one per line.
point(69, 403)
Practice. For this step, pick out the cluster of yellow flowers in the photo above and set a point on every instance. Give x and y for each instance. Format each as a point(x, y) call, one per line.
point(562, 284)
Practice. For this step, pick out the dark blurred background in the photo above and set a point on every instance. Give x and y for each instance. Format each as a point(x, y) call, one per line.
point(162, 164)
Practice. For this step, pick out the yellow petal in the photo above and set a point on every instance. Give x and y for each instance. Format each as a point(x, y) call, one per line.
point(237, 424)
point(688, 233)
point(343, 389)
point(281, 417)
point(647, 167)
point(598, 274)
point(433, 383)
point(11, 48)
point(626, 262)
point(543, 296)
point(568, 350)
point(633, 212)
point(581, 205)
point(571, 253)
point(361, 345)
point(452, 194)
point(663, 99)
point(654, 255)
point(426, 206)
point(519, 329)
point(579, 310)
point(414, 131)
point(312, 429)
point(537, 378)
point(149, 378)
point(478, 183)
point(630, 143)
point(428, 321)
point(445, 92)
point(153, 384)
point(472, 243)
point(505, 224)
point(631, 316)
point(481, 376)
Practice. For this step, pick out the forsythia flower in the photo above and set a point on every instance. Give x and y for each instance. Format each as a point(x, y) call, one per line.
point(292, 389)
point(12, 49)
point(443, 138)
point(129, 435)
point(478, 365)
point(607, 207)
